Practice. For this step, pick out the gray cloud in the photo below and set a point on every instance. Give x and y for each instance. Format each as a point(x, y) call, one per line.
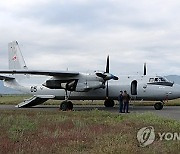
point(80, 34)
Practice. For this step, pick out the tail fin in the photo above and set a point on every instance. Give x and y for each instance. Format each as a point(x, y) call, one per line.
point(16, 60)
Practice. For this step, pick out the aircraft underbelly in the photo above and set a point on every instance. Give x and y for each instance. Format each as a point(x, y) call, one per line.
point(98, 94)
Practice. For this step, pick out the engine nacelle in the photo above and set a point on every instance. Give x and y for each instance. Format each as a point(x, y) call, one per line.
point(89, 85)
point(69, 85)
point(106, 76)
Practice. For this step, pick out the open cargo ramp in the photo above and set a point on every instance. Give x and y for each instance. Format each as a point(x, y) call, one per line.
point(35, 100)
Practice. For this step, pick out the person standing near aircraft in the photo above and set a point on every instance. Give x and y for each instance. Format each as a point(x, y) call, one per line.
point(126, 99)
point(120, 99)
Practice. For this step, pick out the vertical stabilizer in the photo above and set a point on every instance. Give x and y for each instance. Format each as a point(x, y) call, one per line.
point(16, 60)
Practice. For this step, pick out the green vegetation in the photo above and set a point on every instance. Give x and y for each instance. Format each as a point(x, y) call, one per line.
point(30, 131)
point(12, 99)
point(16, 99)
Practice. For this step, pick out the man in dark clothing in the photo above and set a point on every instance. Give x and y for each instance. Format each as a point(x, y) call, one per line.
point(126, 99)
point(120, 99)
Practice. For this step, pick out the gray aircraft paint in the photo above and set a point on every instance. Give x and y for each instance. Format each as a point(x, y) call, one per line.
point(89, 86)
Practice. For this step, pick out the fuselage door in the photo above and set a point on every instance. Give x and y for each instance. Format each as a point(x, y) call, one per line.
point(134, 87)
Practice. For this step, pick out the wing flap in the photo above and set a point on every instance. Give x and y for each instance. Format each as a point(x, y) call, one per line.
point(47, 73)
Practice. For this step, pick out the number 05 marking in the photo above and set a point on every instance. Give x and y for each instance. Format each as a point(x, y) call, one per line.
point(33, 89)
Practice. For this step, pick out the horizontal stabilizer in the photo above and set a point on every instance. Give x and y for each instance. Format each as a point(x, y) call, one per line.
point(35, 100)
point(47, 73)
point(3, 77)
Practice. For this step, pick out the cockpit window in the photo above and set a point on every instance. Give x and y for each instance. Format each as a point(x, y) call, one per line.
point(157, 79)
point(162, 79)
point(151, 80)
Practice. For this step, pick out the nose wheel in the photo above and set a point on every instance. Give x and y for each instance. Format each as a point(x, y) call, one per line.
point(158, 105)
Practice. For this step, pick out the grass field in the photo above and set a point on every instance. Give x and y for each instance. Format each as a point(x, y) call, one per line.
point(23, 131)
point(16, 99)
point(81, 132)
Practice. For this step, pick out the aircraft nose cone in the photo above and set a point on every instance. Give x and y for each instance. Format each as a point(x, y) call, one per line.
point(175, 92)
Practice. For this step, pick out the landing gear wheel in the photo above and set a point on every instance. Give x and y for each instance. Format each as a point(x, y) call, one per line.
point(66, 105)
point(158, 106)
point(108, 103)
point(70, 105)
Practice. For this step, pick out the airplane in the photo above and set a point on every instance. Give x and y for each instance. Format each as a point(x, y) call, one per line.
point(69, 85)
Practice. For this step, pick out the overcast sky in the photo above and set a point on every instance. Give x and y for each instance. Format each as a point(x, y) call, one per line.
point(79, 34)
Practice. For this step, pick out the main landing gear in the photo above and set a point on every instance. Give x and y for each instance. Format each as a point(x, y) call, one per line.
point(159, 105)
point(66, 105)
point(108, 103)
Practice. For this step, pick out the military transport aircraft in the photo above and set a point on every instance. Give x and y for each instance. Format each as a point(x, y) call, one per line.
point(67, 85)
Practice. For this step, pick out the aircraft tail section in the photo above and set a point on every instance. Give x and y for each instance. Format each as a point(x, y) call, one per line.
point(16, 60)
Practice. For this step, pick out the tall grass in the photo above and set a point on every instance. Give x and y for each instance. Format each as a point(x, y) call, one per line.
point(29, 131)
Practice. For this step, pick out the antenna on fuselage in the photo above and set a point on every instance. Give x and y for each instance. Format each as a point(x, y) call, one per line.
point(145, 69)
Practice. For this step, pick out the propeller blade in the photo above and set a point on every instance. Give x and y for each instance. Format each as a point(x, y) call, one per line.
point(107, 71)
point(107, 90)
point(107, 65)
point(145, 70)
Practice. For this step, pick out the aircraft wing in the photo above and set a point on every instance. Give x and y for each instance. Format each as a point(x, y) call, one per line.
point(4, 77)
point(36, 72)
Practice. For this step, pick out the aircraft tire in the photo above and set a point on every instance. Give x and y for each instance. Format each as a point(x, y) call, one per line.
point(108, 103)
point(66, 105)
point(70, 105)
point(158, 106)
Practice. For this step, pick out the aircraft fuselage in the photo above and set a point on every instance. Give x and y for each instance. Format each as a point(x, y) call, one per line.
point(137, 86)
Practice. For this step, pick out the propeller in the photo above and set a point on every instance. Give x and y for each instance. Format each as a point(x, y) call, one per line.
point(107, 71)
point(145, 69)
point(107, 76)
point(107, 90)
point(107, 65)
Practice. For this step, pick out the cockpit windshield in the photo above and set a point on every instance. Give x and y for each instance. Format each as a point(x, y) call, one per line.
point(158, 79)
point(162, 79)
